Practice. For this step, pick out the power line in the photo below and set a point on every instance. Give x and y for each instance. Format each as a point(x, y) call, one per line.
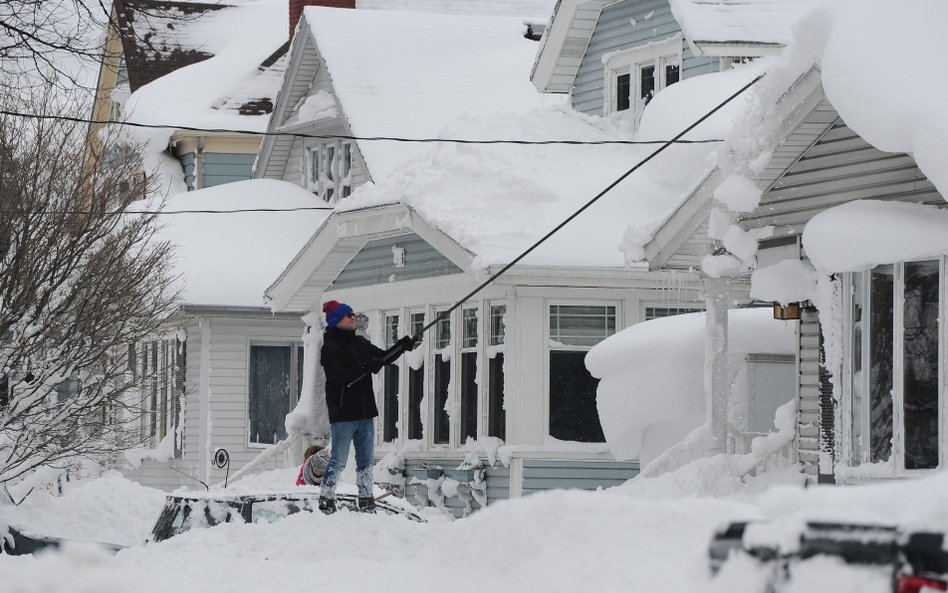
point(170, 212)
point(355, 138)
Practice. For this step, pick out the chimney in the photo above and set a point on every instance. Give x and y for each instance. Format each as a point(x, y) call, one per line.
point(296, 9)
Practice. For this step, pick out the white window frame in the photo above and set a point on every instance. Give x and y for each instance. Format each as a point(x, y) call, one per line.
point(549, 347)
point(333, 178)
point(296, 378)
point(660, 54)
point(849, 453)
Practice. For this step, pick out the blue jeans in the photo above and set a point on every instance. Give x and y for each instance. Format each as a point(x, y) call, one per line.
point(362, 434)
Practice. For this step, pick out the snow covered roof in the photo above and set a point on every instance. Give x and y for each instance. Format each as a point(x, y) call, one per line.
point(739, 22)
point(535, 10)
point(230, 89)
point(496, 200)
point(408, 74)
point(156, 37)
point(229, 259)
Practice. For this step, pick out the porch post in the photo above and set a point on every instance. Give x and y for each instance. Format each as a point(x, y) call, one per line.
point(715, 368)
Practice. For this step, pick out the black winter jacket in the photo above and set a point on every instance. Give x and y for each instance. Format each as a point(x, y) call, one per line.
point(345, 356)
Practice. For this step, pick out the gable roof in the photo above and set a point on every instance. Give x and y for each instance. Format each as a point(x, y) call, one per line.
point(839, 37)
point(407, 74)
point(531, 9)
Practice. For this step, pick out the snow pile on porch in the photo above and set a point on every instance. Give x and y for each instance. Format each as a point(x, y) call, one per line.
point(230, 259)
point(651, 392)
point(497, 200)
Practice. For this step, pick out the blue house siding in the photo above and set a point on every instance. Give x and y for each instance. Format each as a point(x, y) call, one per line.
point(614, 32)
point(539, 475)
point(222, 168)
point(374, 264)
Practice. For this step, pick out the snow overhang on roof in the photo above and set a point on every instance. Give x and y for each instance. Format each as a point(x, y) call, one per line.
point(739, 28)
point(564, 44)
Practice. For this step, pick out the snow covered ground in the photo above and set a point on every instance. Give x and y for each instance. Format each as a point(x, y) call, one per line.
point(646, 535)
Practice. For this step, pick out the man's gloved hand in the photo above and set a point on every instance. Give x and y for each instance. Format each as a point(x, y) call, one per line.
point(406, 343)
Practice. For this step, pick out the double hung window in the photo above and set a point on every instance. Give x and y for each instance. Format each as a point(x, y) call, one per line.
point(276, 372)
point(574, 329)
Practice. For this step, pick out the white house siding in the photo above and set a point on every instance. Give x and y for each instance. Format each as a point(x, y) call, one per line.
point(231, 338)
point(614, 31)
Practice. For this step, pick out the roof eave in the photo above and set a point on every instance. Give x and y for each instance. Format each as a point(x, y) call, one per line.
point(737, 49)
point(550, 55)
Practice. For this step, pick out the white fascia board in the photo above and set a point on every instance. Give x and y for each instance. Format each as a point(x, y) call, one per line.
point(736, 49)
point(280, 294)
point(551, 45)
point(793, 107)
point(297, 48)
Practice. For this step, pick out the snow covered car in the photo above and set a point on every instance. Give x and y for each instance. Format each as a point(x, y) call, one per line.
point(17, 542)
point(914, 561)
point(183, 512)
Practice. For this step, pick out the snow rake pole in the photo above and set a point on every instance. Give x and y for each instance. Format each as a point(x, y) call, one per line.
point(417, 337)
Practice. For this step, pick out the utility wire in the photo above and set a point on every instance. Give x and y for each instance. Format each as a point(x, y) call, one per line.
point(676, 140)
point(482, 285)
point(163, 213)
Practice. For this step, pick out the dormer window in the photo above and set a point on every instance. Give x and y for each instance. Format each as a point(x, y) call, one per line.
point(329, 170)
point(633, 76)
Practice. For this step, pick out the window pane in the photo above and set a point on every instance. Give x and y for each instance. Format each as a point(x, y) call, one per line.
point(270, 368)
point(623, 91)
point(390, 403)
point(647, 89)
point(573, 414)
point(920, 373)
point(880, 360)
point(672, 74)
point(391, 329)
point(330, 152)
point(443, 330)
point(469, 328)
point(859, 405)
point(416, 384)
point(346, 159)
point(496, 415)
point(416, 391)
point(656, 312)
point(468, 395)
point(497, 313)
point(314, 165)
point(574, 325)
point(442, 378)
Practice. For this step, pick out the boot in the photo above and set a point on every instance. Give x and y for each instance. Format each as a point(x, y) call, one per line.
point(327, 505)
point(366, 504)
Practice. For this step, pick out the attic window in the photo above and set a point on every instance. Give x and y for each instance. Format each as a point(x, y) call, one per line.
point(633, 76)
point(328, 170)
